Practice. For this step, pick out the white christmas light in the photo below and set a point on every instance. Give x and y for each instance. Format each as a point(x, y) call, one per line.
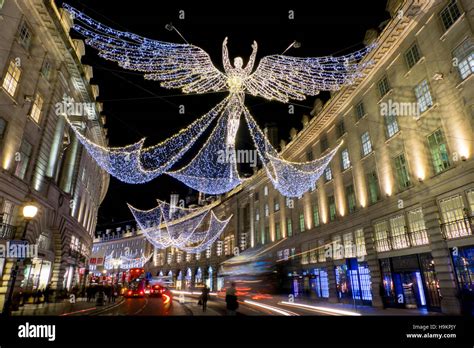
point(189, 68)
point(190, 230)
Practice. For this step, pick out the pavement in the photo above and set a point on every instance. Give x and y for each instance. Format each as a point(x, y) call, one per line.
point(185, 303)
point(64, 308)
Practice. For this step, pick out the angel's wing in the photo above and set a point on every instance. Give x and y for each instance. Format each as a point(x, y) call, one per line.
point(182, 66)
point(283, 78)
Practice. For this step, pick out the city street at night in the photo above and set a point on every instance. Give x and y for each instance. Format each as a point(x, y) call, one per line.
point(212, 174)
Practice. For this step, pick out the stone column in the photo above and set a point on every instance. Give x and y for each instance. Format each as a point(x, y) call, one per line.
point(65, 181)
point(374, 266)
point(442, 259)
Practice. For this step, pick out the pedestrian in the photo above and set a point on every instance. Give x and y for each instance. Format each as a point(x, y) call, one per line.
point(231, 300)
point(39, 294)
point(204, 297)
point(114, 293)
point(47, 292)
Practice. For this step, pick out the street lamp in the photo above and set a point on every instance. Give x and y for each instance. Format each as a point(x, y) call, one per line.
point(29, 212)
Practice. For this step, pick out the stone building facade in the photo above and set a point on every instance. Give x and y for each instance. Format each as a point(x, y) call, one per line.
point(390, 223)
point(41, 160)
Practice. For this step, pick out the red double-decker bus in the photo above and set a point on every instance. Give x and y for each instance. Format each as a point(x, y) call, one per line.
point(134, 273)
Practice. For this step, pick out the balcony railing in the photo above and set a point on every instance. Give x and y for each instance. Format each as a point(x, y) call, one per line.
point(7, 231)
point(457, 228)
point(402, 241)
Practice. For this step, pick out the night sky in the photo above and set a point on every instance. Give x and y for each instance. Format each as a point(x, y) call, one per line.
point(136, 108)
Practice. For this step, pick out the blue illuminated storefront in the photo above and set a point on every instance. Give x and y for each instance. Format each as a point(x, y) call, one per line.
point(463, 261)
point(312, 283)
point(410, 282)
point(353, 282)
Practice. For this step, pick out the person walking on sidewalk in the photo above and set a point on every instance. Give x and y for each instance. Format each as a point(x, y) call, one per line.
point(231, 300)
point(204, 297)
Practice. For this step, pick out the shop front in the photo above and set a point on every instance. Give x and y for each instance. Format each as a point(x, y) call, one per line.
point(463, 261)
point(311, 283)
point(188, 279)
point(208, 279)
point(353, 283)
point(410, 282)
point(179, 281)
point(198, 278)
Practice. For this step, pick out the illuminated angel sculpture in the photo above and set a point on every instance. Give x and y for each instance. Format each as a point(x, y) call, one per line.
point(189, 68)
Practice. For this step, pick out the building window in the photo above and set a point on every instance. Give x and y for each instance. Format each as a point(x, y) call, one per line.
point(417, 228)
point(382, 242)
point(340, 129)
point(46, 69)
point(401, 169)
point(265, 191)
point(351, 198)
point(332, 208)
point(345, 161)
point(316, 215)
point(302, 227)
point(391, 125)
point(266, 210)
point(324, 143)
point(383, 86)
point(439, 151)
point(276, 205)
point(366, 144)
point(338, 250)
point(348, 241)
point(11, 79)
point(3, 128)
point(453, 214)
point(289, 227)
point(464, 58)
point(412, 56)
point(360, 111)
point(256, 196)
point(257, 215)
point(23, 159)
point(450, 14)
point(309, 155)
point(2, 2)
point(373, 184)
point(360, 242)
point(328, 174)
point(398, 229)
point(36, 108)
point(277, 231)
point(470, 199)
point(24, 35)
point(423, 96)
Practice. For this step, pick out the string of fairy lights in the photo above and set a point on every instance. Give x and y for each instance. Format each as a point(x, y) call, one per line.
point(189, 68)
point(190, 230)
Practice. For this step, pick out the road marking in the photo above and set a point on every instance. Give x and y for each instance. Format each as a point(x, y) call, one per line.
point(142, 308)
point(324, 310)
point(80, 311)
point(271, 308)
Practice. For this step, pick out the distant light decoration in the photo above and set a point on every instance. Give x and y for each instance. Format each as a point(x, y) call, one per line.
point(190, 230)
point(189, 68)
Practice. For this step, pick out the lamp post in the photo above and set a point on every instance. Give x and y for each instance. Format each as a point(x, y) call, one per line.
point(29, 212)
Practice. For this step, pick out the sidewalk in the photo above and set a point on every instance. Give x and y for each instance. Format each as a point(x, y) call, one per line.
point(63, 308)
point(363, 310)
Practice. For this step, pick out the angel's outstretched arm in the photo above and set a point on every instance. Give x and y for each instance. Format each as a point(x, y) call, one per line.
point(225, 57)
point(249, 67)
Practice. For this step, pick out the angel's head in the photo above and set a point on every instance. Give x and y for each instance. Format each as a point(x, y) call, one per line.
point(238, 62)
